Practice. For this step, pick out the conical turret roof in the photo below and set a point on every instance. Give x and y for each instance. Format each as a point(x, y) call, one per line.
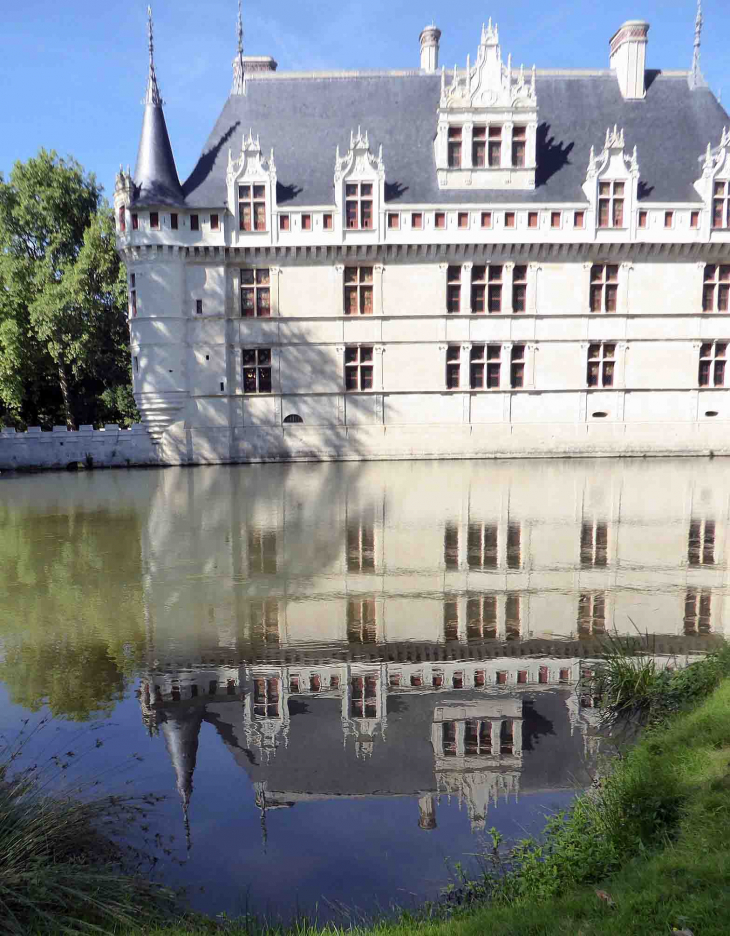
point(155, 175)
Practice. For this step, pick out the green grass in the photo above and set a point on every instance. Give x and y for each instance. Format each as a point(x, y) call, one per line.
point(655, 837)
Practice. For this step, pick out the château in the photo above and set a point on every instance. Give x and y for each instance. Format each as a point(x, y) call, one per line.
point(489, 260)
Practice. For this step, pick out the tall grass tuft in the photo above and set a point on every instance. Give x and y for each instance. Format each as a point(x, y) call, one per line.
point(631, 686)
point(61, 867)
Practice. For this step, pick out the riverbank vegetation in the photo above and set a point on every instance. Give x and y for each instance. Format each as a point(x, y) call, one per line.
point(646, 853)
point(64, 337)
point(64, 864)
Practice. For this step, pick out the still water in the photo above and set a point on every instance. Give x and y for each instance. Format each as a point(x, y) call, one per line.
point(340, 675)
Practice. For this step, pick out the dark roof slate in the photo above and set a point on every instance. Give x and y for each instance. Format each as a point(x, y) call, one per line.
point(155, 174)
point(304, 119)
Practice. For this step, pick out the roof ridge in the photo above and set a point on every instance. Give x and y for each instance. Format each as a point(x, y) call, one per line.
point(419, 73)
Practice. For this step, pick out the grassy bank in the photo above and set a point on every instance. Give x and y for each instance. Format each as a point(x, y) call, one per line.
point(646, 854)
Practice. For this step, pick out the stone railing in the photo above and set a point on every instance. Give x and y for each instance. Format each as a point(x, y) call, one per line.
point(88, 448)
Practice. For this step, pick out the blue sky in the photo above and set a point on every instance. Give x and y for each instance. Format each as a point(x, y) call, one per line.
point(73, 72)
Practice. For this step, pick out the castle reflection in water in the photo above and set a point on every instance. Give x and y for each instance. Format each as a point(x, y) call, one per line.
point(416, 628)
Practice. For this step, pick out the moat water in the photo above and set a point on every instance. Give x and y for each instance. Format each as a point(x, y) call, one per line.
point(340, 676)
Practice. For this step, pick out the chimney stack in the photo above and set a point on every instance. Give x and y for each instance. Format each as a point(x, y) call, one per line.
point(628, 57)
point(430, 48)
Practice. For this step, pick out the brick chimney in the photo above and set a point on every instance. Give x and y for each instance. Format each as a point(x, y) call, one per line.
point(628, 58)
point(430, 48)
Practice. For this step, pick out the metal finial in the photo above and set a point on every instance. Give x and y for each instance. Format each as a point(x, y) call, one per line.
point(153, 92)
point(239, 78)
point(699, 21)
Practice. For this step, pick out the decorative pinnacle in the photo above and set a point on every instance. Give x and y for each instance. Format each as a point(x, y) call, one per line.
point(699, 21)
point(153, 92)
point(239, 78)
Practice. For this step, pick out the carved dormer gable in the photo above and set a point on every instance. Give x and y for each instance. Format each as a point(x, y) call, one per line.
point(714, 184)
point(612, 182)
point(251, 185)
point(359, 184)
point(487, 122)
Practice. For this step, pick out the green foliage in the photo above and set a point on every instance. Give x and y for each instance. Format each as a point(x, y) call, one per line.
point(63, 329)
point(630, 685)
point(58, 871)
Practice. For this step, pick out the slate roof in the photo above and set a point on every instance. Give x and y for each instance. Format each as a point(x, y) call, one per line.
point(305, 118)
point(315, 760)
point(155, 174)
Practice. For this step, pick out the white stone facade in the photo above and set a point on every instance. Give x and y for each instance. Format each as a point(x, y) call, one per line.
point(590, 320)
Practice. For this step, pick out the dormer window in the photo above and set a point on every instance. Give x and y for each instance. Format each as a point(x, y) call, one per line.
point(252, 207)
point(479, 147)
point(486, 134)
point(495, 147)
point(721, 205)
point(455, 147)
point(611, 204)
point(359, 205)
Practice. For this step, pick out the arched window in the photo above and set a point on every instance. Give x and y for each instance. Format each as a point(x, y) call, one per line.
point(293, 419)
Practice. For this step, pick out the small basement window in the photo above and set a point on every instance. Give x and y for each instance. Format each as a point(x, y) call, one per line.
point(709, 412)
point(293, 418)
point(599, 415)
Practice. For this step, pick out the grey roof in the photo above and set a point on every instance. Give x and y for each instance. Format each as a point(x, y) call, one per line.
point(155, 174)
point(305, 118)
point(315, 760)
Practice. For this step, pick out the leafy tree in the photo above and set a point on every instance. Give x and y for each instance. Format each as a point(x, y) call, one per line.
point(63, 304)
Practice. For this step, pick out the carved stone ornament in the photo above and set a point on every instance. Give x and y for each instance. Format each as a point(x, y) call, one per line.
point(358, 160)
point(613, 161)
point(716, 159)
point(489, 83)
point(251, 163)
point(124, 186)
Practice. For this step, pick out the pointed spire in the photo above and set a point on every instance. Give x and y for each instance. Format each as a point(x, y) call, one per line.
point(239, 75)
point(696, 74)
point(155, 174)
point(181, 734)
point(153, 92)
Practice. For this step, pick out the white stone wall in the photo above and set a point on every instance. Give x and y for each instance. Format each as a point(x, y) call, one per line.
point(110, 447)
point(187, 358)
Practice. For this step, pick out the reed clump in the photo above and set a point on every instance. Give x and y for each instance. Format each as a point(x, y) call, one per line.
point(63, 864)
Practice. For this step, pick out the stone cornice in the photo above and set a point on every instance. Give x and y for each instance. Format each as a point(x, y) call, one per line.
point(435, 253)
